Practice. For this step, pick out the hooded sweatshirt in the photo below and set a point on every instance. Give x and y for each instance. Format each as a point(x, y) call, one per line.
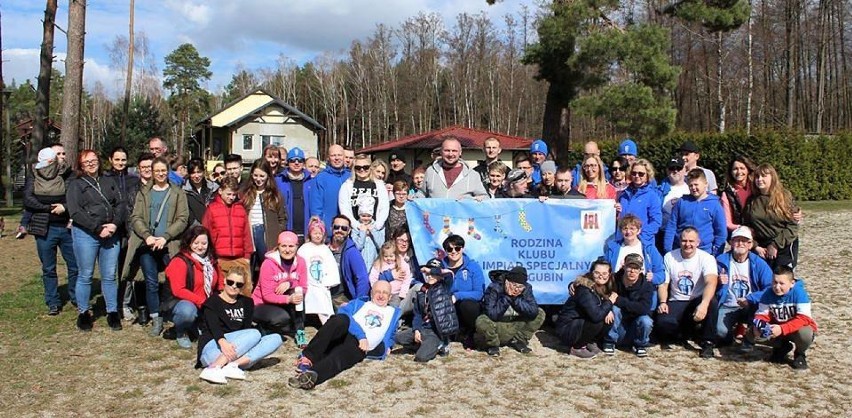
point(646, 203)
point(706, 215)
point(469, 282)
point(272, 273)
point(48, 181)
point(468, 183)
point(325, 191)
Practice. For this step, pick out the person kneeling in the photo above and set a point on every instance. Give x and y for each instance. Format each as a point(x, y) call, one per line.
point(228, 344)
point(435, 319)
point(631, 310)
point(362, 328)
point(587, 315)
point(511, 313)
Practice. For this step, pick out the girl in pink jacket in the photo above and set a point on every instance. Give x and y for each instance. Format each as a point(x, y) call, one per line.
point(280, 292)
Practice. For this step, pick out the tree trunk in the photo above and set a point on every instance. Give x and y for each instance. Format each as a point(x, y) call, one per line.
point(750, 75)
point(73, 91)
point(129, 81)
point(790, 71)
point(720, 100)
point(42, 109)
point(4, 131)
point(556, 126)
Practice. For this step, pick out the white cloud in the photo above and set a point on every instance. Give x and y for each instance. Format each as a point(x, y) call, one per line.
point(23, 64)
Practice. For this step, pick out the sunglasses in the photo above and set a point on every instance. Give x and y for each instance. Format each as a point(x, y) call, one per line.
point(623, 168)
point(638, 174)
point(675, 168)
point(343, 228)
point(452, 249)
point(361, 167)
point(235, 284)
point(296, 160)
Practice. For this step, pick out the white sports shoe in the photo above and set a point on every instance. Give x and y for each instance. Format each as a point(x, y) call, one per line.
point(232, 371)
point(213, 375)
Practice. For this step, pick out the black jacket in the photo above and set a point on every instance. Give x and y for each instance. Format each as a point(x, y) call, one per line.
point(128, 185)
point(496, 302)
point(399, 175)
point(40, 207)
point(634, 301)
point(584, 305)
point(436, 301)
point(92, 203)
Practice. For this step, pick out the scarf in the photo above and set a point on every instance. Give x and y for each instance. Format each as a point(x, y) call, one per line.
point(207, 269)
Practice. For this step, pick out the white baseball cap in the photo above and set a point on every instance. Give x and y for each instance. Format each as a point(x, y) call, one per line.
point(742, 231)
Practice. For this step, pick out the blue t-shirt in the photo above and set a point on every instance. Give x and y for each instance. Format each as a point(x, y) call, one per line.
point(158, 197)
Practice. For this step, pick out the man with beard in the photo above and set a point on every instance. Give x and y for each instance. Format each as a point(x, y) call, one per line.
point(450, 177)
point(355, 282)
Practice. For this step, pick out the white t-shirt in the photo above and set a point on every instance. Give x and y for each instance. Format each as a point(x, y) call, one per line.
point(627, 250)
point(686, 276)
point(375, 321)
point(256, 212)
point(676, 192)
point(739, 283)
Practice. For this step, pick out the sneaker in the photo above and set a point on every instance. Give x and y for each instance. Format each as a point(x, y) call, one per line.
point(779, 354)
point(183, 341)
point(113, 321)
point(307, 380)
point(21, 232)
point(301, 339)
point(608, 349)
point(667, 346)
point(640, 351)
point(443, 350)
point(53, 310)
point(303, 364)
point(493, 351)
point(583, 353)
point(468, 343)
point(232, 371)
point(746, 347)
point(213, 375)
point(519, 346)
point(127, 314)
point(156, 326)
point(706, 351)
point(800, 361)
point(294, 382)
point(84, 321)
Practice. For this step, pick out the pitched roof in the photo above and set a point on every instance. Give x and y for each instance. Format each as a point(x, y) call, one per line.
point(469, 138)
point(260, 104)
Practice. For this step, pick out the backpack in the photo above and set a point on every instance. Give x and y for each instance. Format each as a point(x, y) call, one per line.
point(167, 298)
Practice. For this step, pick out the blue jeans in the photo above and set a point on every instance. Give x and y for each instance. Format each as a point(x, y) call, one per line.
point(247, 342)
point(58, 236)
point(183, 316)
point(639, 329)
point(89, 248)
point(258, 233)
point(729, 316)
point(152, 263)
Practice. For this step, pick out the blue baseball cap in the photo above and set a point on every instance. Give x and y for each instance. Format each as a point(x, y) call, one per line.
point(295, 152)
point(538, 146)
point(628, 147)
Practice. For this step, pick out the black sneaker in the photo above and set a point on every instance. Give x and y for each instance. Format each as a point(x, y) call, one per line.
point(519, 346)
point(114, 321)
point(53, 310)
point(308, 380)
point(779, 354)
point(706, 351)
point(84, 321)
point(800, 361)
point(493, 351)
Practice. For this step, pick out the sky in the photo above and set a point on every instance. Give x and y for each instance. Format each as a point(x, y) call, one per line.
point(232, 33)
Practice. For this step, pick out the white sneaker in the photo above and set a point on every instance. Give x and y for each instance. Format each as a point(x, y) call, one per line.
point(232, 371)
point(213, 375)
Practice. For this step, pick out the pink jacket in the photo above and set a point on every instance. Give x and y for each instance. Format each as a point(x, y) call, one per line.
point(272, 274)
point(398, 287)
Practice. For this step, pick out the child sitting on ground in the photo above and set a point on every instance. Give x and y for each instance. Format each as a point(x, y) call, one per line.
point(435, 320)
point(367, 235)
point(784, 317)
point(390, 267)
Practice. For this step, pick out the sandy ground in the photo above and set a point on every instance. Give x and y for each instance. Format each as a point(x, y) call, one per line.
point(58, 371)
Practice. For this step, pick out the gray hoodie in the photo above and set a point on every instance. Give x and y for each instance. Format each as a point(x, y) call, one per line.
point(468, 183)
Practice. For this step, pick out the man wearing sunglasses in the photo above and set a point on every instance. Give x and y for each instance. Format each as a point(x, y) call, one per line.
point(294, 183)
point(450, 177)
point(355, 281)
point(326, 187)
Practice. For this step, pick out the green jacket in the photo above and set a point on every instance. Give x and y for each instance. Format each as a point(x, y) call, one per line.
point(140, 221)
point(768, 228)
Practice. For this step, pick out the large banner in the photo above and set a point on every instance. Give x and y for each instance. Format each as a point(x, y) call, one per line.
point(556, 240)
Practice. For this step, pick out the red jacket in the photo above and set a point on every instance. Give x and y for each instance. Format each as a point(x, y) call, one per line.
point(176, 276)
point(229, 229)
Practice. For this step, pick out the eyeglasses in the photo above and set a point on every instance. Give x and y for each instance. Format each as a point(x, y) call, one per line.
point(235, 284)
point(402, 241)
point(343, 228)
point(589, 165)
point(639, 174)
point(90, 162)
point(453, 249)
point(514, 285)
point(361, 167)
point(296, 160)
point(144, 167)
point(622, 168)
point(599, 275)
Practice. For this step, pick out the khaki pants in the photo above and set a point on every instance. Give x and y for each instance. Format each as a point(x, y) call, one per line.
point(499, 333)
point(229, 264)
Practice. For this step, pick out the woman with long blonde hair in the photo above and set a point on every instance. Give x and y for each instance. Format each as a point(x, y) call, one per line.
point(770, 212)
point(593, 183)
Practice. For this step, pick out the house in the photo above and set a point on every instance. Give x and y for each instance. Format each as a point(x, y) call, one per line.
point(417, 149)
point(250, 123)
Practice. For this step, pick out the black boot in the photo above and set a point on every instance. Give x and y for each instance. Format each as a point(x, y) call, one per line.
point(84, 321)
point(114, 321)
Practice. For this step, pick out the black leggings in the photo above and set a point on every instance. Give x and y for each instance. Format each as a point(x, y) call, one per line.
point(334, 349)
point(278, 318)
point(467, 311)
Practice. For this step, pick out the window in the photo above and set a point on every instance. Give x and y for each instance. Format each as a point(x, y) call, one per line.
point(271, 140)
point(248, 142)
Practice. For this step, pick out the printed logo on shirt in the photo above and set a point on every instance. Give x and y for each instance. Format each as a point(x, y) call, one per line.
point(236, 314)
point(685, 284)
point(374, 319)
point(739, 286)
point(358, 191)
point(783, 313)
point(315, 268)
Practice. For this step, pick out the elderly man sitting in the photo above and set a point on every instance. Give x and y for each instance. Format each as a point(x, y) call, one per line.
point(511, 313)
point(362, 328)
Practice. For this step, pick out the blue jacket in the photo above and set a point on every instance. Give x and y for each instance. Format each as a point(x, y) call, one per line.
point(706, 215)
point(324, 193)
point(651, 259)
point(647, 204)
point(760, 276)
point(355, 329)
point(496, 302)
point(437, 302)
point(353, 271)
point(469, 282)
point(286, 190)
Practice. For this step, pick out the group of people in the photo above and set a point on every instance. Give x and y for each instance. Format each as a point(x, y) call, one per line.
point(247, 260)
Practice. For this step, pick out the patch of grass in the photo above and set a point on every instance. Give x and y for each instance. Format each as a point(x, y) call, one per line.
point(825, 205)
point(338, 383)
point(193, 389)
point(226, 390)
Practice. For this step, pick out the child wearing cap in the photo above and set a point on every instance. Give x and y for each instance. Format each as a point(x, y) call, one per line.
point(279, 294)
point(367, 235)
point(323, 271)
point(631, 308)
point(435, 319)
